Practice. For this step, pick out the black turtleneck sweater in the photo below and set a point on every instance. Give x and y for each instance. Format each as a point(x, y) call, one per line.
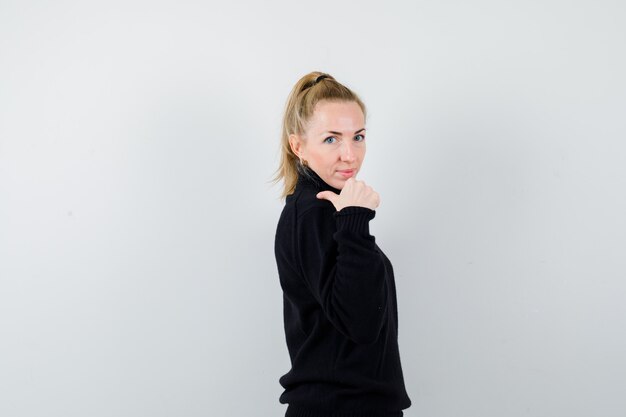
point(340, 312)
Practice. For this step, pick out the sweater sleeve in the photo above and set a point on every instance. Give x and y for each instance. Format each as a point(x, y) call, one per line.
point(344, 270)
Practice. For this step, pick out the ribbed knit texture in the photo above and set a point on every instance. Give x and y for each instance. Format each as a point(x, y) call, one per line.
point(295, 411)
point(354, 218)
point(340, 311)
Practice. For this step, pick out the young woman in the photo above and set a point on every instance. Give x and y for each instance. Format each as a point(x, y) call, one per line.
point(339, 299)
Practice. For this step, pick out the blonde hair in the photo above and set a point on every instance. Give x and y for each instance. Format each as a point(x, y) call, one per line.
point(308, 91)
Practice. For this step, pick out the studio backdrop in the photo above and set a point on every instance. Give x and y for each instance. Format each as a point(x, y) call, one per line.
point(137, 217)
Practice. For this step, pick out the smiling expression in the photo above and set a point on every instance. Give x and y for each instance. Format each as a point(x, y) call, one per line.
point(333, 143)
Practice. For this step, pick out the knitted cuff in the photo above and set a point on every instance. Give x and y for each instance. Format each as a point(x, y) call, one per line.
point(355, 218)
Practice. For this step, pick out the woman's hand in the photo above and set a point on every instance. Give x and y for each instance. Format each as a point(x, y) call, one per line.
point(353, 193)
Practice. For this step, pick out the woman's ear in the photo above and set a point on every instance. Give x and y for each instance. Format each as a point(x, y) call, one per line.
point(295, 142)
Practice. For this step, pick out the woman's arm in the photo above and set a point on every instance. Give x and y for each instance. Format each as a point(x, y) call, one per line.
point(344, 270)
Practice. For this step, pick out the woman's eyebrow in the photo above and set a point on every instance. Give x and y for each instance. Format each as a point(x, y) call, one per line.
point(339, 133)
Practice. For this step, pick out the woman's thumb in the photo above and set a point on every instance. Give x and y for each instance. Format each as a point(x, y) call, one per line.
point(327, 195)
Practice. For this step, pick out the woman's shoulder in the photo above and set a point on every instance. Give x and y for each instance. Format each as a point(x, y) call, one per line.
point(306, 203)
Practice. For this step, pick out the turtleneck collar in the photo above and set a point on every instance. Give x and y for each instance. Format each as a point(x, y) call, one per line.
point(308, 177)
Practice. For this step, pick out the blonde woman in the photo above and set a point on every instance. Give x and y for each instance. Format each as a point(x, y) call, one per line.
point(339, 299)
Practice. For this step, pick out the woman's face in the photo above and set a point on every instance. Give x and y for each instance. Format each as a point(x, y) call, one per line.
point(334, 141)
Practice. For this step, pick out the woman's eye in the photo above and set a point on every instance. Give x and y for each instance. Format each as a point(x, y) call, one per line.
point(359, 140)
point(329, 139)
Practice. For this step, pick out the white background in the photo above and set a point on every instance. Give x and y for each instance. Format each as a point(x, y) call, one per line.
point(137, 221)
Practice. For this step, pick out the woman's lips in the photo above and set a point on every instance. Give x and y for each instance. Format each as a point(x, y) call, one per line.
point(347, 173)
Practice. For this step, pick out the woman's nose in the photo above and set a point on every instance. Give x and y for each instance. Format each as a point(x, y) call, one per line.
point(346, 152)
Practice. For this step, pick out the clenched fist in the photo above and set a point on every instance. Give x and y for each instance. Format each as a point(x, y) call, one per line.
point(353, 193)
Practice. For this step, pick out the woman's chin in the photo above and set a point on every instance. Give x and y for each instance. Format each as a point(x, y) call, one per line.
point(338, 180)
point(338, 183)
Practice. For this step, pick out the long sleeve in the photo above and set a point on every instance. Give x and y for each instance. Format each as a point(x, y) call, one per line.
point(344, 270)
